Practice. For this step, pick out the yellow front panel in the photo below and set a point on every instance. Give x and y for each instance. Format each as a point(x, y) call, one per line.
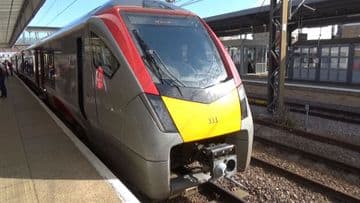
point(197, 121)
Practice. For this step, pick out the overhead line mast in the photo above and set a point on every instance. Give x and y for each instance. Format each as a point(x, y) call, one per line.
point(277, 54)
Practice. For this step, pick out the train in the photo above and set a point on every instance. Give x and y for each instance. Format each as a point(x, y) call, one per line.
point(154, 89)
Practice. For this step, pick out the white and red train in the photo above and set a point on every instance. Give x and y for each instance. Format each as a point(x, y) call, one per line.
point(155, 90)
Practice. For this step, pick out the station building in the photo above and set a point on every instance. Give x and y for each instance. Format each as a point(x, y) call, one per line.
point(334, 60)
point(328, 52)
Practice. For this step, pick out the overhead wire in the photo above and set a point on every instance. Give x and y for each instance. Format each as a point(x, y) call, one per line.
point(189, 3)
point(62, 11)
point(47, 11)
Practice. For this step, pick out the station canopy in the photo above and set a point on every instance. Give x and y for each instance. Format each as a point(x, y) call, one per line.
point(14, 17)
point(314, 13)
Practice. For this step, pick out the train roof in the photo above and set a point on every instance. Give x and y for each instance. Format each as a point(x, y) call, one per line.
point(151, 4)
point(145, 4)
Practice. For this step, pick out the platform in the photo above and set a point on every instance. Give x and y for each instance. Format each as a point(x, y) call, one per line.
point(39, 162)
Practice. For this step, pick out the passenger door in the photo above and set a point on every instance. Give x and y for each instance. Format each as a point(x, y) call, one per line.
point(88, 72)
point(104, 65)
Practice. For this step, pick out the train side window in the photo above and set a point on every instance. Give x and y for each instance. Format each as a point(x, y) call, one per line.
point(49, 69)
point(102, 56)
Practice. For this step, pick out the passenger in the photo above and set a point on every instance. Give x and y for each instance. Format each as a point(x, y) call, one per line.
point(251, 68)
point(5, 67)
point(10, 66)
point(26, 67)
point(2, 82)
point(188, 69)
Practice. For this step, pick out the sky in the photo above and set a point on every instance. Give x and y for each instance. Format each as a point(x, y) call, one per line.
point(58, 13)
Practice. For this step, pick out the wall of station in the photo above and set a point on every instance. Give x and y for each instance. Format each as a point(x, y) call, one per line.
point(332, 61)
point(326, 61)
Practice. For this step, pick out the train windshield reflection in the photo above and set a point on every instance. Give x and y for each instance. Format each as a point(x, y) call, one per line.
point(184, 47)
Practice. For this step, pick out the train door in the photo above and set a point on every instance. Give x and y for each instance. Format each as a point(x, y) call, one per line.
point(41, 70)
point(104, 64)
point(88, 81)
point(37, 67)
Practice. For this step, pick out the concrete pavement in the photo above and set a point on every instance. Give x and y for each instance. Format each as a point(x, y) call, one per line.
point(38, 162)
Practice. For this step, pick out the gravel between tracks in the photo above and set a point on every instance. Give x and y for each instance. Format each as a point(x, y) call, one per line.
point(189, 198)
point(332, 152)
point(344, 182)
point(266, 186)
point(337, 130)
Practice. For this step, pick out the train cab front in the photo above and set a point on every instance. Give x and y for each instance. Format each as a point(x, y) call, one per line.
point(198, 103)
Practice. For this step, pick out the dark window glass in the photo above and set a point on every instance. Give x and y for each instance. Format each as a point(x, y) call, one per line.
point(324, 62)
point(357, 51)
point(334, 51)
point(235, 54)
point(28, 65)
point(344, 51)
point(297, 62)
point(343, 63)
point(102, 56)
point(325, 51)
point(334, 63)
point(184, 52)
point(49, 69)
point(313, 50)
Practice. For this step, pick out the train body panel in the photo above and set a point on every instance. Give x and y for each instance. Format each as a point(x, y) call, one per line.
point(217, 118)
point(136, 151)
point(120, 72)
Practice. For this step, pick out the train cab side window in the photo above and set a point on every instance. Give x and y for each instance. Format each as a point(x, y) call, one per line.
point(102, 56)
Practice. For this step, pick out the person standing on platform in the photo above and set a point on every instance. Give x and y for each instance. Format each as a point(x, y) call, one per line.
point(5, 68)
point(2, 82)
point(10, 66)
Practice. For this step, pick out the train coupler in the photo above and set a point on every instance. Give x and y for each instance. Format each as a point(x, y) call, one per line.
point(221, 158)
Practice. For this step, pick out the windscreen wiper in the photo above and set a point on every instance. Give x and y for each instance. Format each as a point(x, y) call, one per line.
point(149, 59)
point(165, 69)
point(158, 65)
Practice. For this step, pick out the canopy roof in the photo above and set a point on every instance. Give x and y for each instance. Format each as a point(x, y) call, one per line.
point(328, 12)
point(14, 17)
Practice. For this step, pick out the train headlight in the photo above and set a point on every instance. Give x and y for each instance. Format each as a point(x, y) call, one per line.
point(243, 102)
point(162, 116)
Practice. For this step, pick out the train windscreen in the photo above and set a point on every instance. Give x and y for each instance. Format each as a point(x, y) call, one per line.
point(177, 50)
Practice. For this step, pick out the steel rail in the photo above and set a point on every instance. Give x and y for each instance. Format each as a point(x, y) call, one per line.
point(309, 135)
point(225, 195)
point(318, 110)
point(308, 155)
point(325, 189)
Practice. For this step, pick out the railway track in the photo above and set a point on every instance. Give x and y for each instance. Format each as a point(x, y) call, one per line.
point(335, 112)
point(309, 135)
point(320, 187)
point(311, 156)
point(223, 194)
